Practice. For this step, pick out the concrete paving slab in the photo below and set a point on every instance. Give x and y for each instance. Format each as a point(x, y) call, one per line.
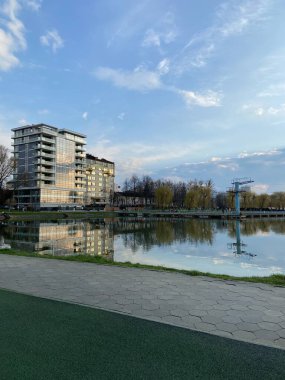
point(238, 310)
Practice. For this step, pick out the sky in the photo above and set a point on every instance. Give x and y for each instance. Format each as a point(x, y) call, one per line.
point(174, 89)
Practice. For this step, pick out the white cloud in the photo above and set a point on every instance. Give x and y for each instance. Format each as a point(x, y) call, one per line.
point(52, 39)
point(265, 110)
point(164, 32)
point(232, 166)
point(232, 18)
point(215, 159)
point(22, 122)
point(5, 134)
point(33, 4)
point(258, 154)
point(273, 90)
point(121, 116)
point(85, 115)
point(138, 158)
point(12, 35)
point(154, 38)
point(139, 79)
point(163, 66)
point(151, 38)
point(259, 111)
point(260, 188)
point(218, 261)
point(236, 17)
point(209, 99)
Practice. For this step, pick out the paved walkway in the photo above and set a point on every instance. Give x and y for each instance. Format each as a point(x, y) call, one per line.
point(238, 310)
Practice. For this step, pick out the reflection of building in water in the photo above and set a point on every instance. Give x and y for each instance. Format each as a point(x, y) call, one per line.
point(62, 238)
point(2, 243)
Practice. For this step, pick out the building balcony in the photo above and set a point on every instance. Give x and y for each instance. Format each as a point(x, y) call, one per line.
point(80, 175)
point(82, 155)
point(44, 154)
point(44, 177)
point(79, 181)
point(48, 170)
point(45, 162)
point(46, 147)
point(47, 139)
point(80, 161)
point(43, 169)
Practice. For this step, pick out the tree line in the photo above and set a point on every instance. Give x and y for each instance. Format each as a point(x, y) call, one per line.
point(194, 194)
point(164, 193)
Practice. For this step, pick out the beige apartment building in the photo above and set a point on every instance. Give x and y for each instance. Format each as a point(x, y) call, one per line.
point(100, 175)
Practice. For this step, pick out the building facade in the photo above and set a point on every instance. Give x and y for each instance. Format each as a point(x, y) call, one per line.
point(100, 175)
point(50, 167)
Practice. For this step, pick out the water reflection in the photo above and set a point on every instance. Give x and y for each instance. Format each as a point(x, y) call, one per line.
point(61, 237)
point(150, 233)
point(239, 247)
point(256, 247)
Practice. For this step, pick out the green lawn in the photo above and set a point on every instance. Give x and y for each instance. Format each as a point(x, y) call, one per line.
point(43, 339)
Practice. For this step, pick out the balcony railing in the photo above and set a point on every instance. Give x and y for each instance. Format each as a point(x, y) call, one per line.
point(44, 154)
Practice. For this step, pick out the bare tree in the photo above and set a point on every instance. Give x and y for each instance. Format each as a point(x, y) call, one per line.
point(6, 165)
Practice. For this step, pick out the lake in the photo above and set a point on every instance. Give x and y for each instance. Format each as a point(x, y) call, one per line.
point(246, 248)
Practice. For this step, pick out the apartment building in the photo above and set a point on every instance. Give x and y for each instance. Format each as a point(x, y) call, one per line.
point(50, 167)
point(100, 175)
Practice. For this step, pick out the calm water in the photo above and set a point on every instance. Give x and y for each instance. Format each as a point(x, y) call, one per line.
point(251, 247)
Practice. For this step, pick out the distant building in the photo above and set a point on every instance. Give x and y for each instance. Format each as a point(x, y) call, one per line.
point(50, 167)
point(100, 175)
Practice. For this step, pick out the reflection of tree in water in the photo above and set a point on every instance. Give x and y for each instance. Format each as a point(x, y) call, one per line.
point(146, 234)
point(255, 226)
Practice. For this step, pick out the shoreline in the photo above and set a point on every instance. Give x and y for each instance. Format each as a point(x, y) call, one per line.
point(275, 279)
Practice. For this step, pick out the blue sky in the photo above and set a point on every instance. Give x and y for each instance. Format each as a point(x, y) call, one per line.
point(159, 86)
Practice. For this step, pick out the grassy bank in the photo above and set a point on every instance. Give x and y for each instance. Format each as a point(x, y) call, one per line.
point(54, 215)
point(275, 279)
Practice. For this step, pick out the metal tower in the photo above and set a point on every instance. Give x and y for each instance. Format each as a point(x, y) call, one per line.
point(237, 182)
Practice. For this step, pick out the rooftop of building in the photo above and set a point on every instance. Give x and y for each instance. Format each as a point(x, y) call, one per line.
point(62, 131)
point(94, 158)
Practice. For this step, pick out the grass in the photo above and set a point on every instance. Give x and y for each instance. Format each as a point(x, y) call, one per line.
point(45, 339)
point(48, 215)
point(274, 279)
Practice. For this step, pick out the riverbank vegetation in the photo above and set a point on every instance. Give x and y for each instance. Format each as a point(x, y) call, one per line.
point(193, 194)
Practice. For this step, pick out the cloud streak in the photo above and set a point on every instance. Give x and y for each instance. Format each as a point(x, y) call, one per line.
point(52, 39)
point(209, 99)
point(12, 35)
point(232, 18)
point(139, 158)
point(139, 79)
point(143, 80)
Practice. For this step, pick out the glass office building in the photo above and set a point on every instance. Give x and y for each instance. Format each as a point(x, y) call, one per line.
point(50, 167)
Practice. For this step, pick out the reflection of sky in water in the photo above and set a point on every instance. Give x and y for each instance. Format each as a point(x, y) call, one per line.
point(183, 244)
point(268, 247)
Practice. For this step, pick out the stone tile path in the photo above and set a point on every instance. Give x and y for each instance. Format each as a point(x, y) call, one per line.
point(238, 310)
